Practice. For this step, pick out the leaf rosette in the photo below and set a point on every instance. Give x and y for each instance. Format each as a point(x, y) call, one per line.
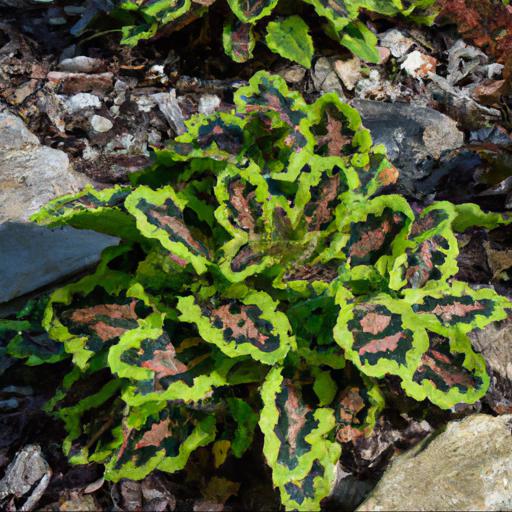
point(266, 275)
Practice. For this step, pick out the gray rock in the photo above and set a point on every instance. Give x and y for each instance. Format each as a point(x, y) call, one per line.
point(415, 138)
point(24, 471)
point(398, 44)
point(325, 78)
point(30, 174)
point(32, 256)
point(466, 467)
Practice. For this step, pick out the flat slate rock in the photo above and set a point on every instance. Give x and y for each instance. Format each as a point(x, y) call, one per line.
point(32, 256)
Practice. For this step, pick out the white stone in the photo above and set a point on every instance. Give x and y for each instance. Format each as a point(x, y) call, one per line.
point(101, 124)
point(81, 101)
point(208, 104)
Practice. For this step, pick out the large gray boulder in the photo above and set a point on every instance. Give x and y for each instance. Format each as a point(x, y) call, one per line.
point(466, 467)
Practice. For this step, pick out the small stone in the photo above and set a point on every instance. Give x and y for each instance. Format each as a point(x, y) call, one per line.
point(325, 78)
point(82, 64)
point(208, 104)
point(293, 74)
point(419, 65)
point(396, 42)
point(349, 72)
point(81, 101)
point(101, 124)
point(384, 54)
point(466, 467)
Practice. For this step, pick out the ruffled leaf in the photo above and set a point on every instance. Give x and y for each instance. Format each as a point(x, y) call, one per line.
point(159, 215)
point(457, 307)
point(377, 231)
point(187, 370)
point(380, 335)
point(296, 445)
point(159, 436)
point(268, 95)
point(449, 373)
point(100, 210)
point(219, 136)
point(430, 257)
point(93, 313)
point(239, 327)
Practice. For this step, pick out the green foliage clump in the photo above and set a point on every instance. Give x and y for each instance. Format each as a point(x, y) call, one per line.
point(264, 277)
point(287, 34)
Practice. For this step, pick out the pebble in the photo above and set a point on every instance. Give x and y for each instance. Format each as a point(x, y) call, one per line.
point(349, 72)
point(398, 44)
point(81, 101)
point(82, 64)
point(101, 124)
point(208, 104)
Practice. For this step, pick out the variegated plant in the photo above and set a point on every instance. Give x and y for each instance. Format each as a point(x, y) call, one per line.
point(287, 34)
point(263, 276)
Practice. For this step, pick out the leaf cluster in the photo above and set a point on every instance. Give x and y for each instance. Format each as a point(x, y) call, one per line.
point(286, 34)
point(264, 277)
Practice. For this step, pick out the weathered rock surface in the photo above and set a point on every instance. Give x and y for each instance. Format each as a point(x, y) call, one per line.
point(466, 467)
point(30, 174)
point(415, 138)
point(495, 344)
point(32, 256)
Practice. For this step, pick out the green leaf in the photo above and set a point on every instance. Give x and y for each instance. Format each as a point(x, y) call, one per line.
point(268, 95)
point(159, 215)
point(158, 436)
point(380, 335)
point(100, 210)
point(239, 327)
point(238, 40)
point(246, 421)
point(95, 312)
point(296, 444)
point(361, 41)
point(338, 12)
point(456, 307)
point(449, 373)
point(88, 404)
point(471, 215)
point(290, 38)
point(187, 370)
point(430, 257)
